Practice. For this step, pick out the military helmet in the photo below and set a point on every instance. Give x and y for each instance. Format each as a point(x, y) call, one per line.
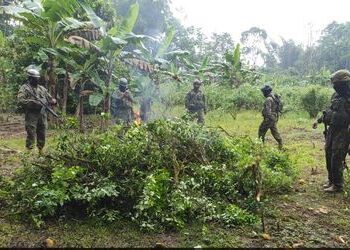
point(266, 88)
point(339, 76)
point(33, 73)
point(197, 82)
point(123, 82)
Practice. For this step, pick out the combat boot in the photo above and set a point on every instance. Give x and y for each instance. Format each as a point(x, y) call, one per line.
point(327, 185)
point(333, 189)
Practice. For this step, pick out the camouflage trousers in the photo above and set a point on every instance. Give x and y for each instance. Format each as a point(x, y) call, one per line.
point(197, 115)
point(35, 125)
point(125, 118)
point(337, 144)
point(270, 124)
point(335, 162)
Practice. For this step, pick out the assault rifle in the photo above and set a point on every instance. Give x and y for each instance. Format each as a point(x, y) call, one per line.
point(325, 132)
point(44, 105)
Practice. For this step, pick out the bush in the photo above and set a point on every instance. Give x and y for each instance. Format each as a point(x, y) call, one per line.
point(161, 175)
point(315, 100)
point(7, 99)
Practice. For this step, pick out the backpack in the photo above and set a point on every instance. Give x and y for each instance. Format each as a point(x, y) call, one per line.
point(278, 102)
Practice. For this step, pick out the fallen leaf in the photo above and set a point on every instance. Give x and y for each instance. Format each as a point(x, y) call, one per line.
point(302, 182)
point(340, 239)
point(323, 210)
point(49, 243)
point(266, 236)
point(160, 245)
point(298, 245)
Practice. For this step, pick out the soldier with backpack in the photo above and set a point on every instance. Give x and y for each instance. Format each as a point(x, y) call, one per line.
point(121, 104)
point(271, 112)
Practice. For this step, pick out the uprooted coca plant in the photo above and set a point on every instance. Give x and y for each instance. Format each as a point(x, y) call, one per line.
point(161, 175)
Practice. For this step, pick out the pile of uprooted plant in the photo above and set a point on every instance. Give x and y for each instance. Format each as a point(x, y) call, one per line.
point(161, 175)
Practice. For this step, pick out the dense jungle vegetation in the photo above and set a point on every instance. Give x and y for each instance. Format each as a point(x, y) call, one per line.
point(169, 180)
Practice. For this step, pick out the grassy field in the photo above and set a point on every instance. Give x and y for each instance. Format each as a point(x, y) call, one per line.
point(306, 217)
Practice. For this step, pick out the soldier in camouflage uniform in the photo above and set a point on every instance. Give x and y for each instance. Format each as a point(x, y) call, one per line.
point(121, 104)
point(195, 102)
point(337, 117)
point(270, 114)
point(35, 113)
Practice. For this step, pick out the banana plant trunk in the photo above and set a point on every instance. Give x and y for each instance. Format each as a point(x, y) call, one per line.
point(52, 85)
point(106, 101)
point(81, 114)
point(65, 93)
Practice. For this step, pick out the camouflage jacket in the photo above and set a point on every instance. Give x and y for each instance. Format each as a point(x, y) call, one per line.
point(270, 108)
point(195, 101)
point(121, 102)
point(28, 102)
point(339, 120)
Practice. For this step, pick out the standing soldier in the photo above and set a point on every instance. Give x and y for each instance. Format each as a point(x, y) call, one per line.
point(195, 102)
point(271, 115)
point(337, 136)
point(121, 104)
point(35, 113)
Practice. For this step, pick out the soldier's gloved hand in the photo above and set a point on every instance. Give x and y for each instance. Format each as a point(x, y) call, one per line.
point(314, 126)
point(53, 101)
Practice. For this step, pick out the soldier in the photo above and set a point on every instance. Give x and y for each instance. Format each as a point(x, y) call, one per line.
point(337, 136)
point(35, 113)
point(195, 102)
point(121, 104)
point(271, 115)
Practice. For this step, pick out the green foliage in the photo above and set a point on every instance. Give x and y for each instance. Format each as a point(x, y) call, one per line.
point(162, 175)
point(315, 100)
point(7, 100)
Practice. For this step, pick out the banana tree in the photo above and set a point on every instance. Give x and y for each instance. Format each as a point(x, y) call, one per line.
point(47, 23)
point(233, 66)
point(109, 49)
point(160, 61)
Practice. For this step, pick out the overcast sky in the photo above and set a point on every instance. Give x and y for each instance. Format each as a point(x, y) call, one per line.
point(286, 18)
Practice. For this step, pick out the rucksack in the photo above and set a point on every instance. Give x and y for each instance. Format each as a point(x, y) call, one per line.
point(278, 102)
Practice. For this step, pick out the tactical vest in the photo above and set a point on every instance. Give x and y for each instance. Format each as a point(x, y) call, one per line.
point(339, 112)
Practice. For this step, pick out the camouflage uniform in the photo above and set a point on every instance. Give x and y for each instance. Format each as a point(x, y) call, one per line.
point(35, 114)
point(121, 107)
point(195, 104)
point(337, 139)
point(270, 114)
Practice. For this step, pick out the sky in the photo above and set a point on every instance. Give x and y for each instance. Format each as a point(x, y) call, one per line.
point(300, 20)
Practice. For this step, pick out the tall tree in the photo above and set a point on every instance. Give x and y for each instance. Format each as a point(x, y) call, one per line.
point(334, 46)
point(289, 54)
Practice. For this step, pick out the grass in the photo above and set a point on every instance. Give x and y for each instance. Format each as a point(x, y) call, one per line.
point(305, 217)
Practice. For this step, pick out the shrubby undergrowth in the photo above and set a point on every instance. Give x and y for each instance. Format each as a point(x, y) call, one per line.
point(310, 98)
point(161, 175)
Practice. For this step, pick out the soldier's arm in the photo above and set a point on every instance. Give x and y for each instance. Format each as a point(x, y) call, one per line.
point(187, 100)
point(23, 98)
point(49, 98)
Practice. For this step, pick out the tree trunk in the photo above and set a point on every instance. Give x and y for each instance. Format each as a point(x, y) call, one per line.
point(52, 77)
point(81, 114)
point(65, 94)
point(52, 85)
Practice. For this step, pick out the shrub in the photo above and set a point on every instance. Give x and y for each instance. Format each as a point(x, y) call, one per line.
point(161, 175)
point(315, 100)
